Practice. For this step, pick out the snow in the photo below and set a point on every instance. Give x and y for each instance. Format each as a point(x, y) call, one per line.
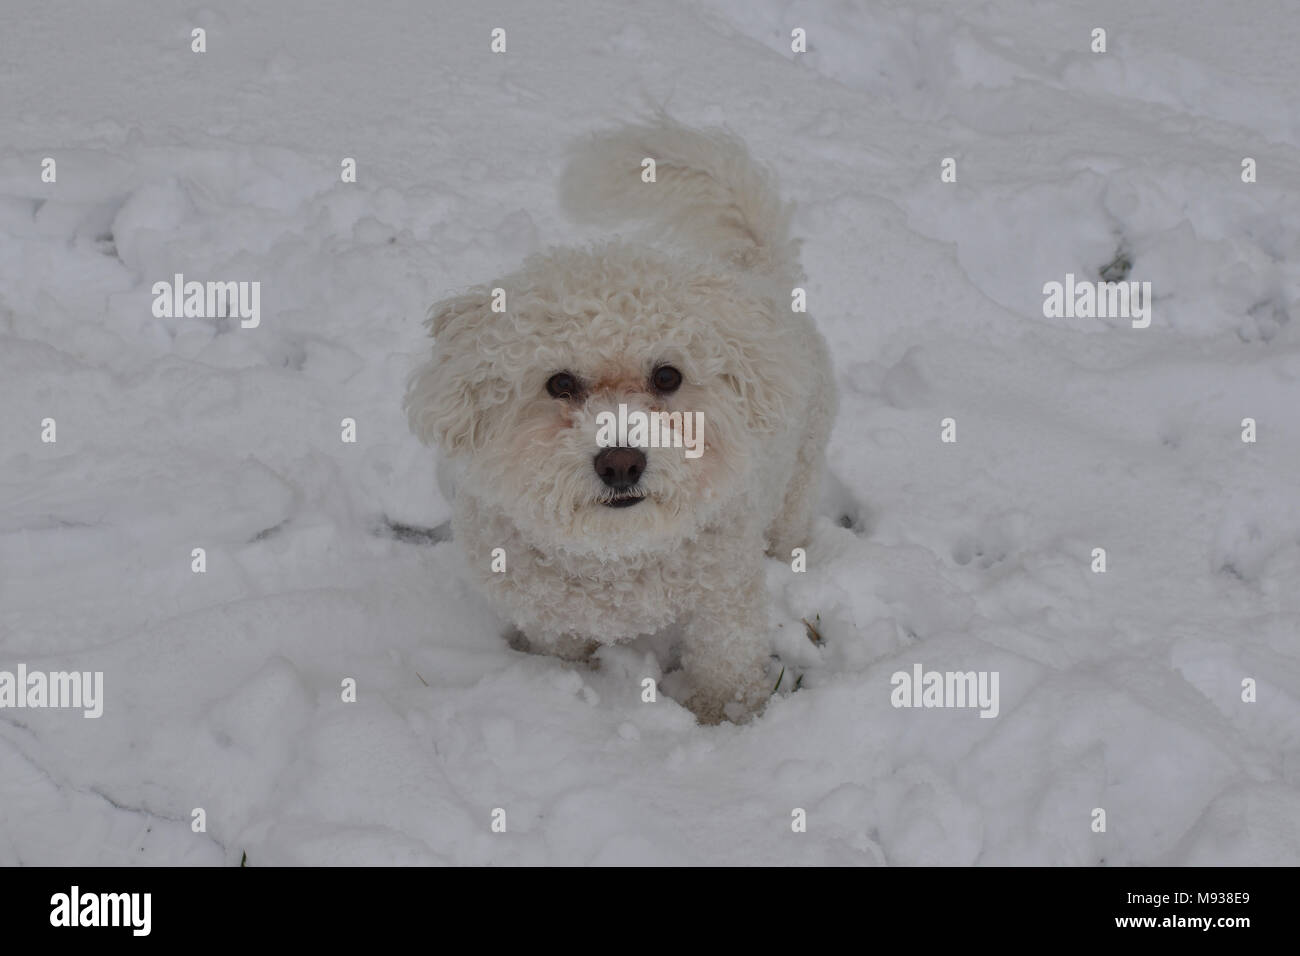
point(1120, 691)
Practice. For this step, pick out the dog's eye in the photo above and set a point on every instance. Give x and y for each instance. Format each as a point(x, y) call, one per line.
point(562, 385)
point(666, 379)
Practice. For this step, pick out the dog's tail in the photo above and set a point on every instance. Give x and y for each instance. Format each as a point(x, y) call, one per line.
point(706, 190)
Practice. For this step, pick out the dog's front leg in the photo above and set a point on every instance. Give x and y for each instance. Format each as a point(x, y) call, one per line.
point(725, 651)
point(567, 647)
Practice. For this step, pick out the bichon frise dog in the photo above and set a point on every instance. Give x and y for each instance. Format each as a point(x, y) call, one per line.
point(603, 539)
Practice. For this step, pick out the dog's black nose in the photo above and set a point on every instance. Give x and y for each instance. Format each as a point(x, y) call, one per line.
point(620, 468)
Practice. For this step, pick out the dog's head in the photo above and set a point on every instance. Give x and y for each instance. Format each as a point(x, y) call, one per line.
point(523, 392)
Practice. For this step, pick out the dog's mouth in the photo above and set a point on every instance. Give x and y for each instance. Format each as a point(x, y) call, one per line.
point(622, 501)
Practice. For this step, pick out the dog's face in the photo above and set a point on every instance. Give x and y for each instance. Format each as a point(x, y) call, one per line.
point(518, 395)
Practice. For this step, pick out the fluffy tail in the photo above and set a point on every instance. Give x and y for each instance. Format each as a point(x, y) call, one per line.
point(707, 192)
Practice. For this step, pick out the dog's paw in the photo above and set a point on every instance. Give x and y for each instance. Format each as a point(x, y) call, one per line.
point(567, 647)
point(714, 706)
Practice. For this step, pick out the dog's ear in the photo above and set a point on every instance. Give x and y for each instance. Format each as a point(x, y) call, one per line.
point(453, 314)
point(755, 358)
point(755, 371)
point(448, 396)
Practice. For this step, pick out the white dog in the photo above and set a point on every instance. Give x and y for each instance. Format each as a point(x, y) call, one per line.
point(602, 544)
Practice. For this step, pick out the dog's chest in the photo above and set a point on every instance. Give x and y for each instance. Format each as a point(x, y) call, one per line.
point(608, 600)
point(616, 599)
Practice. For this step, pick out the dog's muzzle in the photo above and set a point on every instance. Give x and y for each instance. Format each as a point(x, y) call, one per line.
point(620, 469)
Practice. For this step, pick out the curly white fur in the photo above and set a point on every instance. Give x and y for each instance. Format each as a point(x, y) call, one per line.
point(706, 290)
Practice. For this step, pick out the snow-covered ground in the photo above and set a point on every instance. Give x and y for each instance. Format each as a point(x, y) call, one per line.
point(1119, 690)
